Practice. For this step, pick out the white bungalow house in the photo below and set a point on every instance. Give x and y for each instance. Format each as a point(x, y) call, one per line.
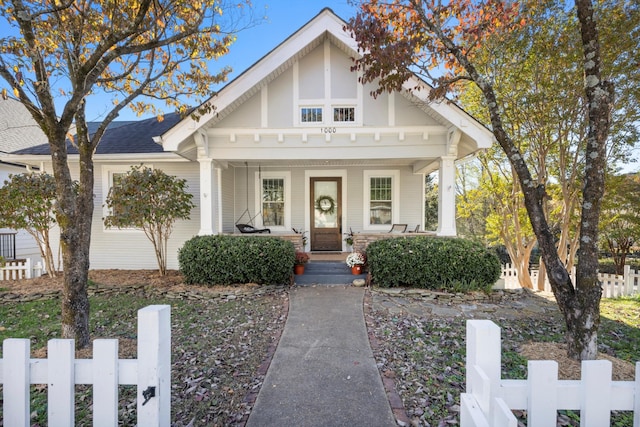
point(294, 142)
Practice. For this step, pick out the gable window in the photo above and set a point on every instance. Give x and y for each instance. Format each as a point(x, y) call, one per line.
point(344, 114)
point(273, 191)
point(311, 115)
point(381, 199)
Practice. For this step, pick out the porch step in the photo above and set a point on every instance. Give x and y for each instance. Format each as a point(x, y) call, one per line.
point(326, 273)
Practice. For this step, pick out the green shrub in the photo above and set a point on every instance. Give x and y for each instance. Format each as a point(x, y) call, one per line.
point(431, 262)
point(607, 266)
point(228, 260)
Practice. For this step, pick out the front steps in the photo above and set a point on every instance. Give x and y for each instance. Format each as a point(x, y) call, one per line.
point(326, 273)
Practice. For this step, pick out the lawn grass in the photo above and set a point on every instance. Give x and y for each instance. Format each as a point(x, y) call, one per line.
point(217, 346)
point(427, 355)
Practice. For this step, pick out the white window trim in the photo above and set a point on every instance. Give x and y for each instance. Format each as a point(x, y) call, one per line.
point(107, 183)
point(322, 107)
point(286, 175)
point(345, 123)
point(395, 198)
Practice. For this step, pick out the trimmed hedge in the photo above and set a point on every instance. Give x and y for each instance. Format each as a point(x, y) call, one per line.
point(437, 263)
point(228, 260)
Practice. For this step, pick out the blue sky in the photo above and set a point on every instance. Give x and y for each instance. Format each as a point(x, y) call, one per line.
point(283, 18)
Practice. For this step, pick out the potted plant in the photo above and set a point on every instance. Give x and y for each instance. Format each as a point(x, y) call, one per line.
point(301, 259)
point(356, 260)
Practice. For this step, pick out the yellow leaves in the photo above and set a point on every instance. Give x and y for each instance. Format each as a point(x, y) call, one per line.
point(16, 92)
point(5, 95)
point(160, 118)
point(160, 23)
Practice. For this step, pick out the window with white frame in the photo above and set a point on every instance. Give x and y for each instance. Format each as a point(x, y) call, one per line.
point(311, 115)
point(344, 114)
point(273, 191)
point(273, 202)
point(381, 198)
point(111, 175)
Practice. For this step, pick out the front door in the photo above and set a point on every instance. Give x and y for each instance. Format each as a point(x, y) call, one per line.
point(326, 214)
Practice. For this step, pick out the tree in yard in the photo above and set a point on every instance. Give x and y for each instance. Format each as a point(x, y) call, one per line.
point(546, 117)
point(151, 200)
point(400, 37)
point(430, 203)
point(27, 202)
point(620, 223)
point(61, 53)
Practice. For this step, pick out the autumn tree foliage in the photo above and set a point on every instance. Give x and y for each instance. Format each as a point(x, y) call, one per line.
point(27, 202)
point(440, 41)
point(150, 200)
point(59, 55)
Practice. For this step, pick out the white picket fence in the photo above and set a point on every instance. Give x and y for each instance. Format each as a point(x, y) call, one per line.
point(489, 399)
point(61, 371)
point(20, 269)
point(612, 285)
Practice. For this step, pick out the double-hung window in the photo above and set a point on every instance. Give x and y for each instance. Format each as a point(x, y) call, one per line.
point(274, 202)
point(382, 190)
point(111, 175)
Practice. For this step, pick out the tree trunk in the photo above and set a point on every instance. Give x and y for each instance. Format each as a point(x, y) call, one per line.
point(74, 215)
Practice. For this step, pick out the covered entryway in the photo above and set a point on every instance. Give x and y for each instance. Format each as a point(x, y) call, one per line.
point(326, 214)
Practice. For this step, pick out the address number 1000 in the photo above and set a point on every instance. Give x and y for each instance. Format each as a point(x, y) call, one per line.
point(328, 130)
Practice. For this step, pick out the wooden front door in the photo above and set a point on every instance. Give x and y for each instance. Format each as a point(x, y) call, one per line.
point(326, 214)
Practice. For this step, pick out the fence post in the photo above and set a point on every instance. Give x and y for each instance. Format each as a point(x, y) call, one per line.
point(628, 281)
point(15, 373)
point(154, 365)
point(61, 382)
point(483, 350)
point(27, 269)
point(636, 398)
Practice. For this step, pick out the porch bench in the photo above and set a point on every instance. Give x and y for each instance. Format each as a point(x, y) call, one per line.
point(294, 238)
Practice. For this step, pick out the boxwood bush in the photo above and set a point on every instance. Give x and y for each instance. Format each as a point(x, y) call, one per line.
point(228, 260)
point(437, 263)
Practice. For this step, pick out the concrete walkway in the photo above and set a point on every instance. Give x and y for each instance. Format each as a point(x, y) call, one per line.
point(323, 372)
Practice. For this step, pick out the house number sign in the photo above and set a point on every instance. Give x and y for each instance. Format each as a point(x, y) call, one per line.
point(328, 130)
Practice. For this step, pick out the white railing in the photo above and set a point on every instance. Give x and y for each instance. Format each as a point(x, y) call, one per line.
point(612, 285)
point(489, 400)
point(61, 371)
point(20, 269)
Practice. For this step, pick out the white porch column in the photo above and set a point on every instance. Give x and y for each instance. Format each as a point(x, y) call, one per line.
point(208, 197)
point(447, 197)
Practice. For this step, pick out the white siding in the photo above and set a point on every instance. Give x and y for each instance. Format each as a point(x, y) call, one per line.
point(130, 249)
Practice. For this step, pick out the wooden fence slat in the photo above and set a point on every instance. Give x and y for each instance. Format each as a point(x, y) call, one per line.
point(596, 393)
point(543, 393)
point(105, 383)
point(61, 382)
point(154, 364)
point(16, 405)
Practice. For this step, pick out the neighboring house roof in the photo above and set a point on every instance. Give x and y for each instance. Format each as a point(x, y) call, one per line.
point(121, 137)
point(18, 130)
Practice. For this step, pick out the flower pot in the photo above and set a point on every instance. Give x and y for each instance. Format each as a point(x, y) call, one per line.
point(298, 269)
point(356, 269)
